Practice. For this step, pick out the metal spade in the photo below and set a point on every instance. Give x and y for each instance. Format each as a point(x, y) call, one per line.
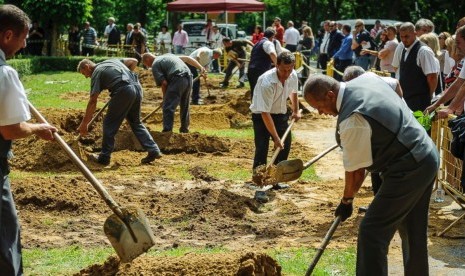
point(127, 229)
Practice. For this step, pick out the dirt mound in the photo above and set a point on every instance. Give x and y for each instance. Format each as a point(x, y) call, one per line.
point(189, 142)
point(201, 173)
point(243, 264)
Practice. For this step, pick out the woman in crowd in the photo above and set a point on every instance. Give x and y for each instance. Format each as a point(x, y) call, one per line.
point(258, 34)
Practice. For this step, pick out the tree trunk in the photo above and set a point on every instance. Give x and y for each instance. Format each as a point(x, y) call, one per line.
point(54, 40)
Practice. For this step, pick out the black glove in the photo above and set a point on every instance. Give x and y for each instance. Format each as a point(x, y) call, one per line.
point(344, 210)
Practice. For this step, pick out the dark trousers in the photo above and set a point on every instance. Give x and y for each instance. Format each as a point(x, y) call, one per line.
point(216, 66)
point(230, 68)
point(177, 93)
point(195, 85)
point(323, 60)
point(253, 74)
point(340, 66)
point(401, 204)
point(291, 48)
point(376, 182)
point(10, 242)
point(262, 138)
point(87, 51)
point(125, 103)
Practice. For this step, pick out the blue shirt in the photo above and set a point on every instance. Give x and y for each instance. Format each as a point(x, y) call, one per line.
point(345, 52)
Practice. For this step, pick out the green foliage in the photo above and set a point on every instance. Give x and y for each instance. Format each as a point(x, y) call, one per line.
point(424, 119)
point(60, 12)
point(32, 65)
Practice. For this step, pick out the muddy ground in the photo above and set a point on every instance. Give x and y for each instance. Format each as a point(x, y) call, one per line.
point(188, 201)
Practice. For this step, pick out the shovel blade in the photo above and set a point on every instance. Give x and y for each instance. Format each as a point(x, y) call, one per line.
point(122, 239)
point(289, 170)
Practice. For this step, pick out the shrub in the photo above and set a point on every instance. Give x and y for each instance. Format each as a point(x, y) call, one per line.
point(32, 65)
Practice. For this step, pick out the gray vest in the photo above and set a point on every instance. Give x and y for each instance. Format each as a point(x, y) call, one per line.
point(395, 132)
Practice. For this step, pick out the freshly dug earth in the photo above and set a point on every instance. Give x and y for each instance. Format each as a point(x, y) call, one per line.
point(251, 263)
point(192, 196)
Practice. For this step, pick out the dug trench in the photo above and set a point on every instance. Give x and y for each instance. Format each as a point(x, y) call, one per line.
point(187, 201)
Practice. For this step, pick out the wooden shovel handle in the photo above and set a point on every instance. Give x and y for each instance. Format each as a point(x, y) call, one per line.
point(151, 113)
point(323, 245)
point(277, 150)
point(93, 118)
point(318, 157)
point(84, 170)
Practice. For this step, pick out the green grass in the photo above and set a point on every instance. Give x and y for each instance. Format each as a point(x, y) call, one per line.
point(246, 133)
point(294, 261)
point(46, 89)
point(60, 261)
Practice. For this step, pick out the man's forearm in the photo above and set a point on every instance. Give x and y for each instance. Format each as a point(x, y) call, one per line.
point(432, 80)
point(353, 182)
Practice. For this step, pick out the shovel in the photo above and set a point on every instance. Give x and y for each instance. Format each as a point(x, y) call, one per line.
point(151, 113)
point(127, 229)
point(323, 245)
point(263, 176)
point(81, 150)
point(289, 170)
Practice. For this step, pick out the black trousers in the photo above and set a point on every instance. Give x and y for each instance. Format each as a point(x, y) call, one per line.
point(10, 242)
point(253, 74)
point(262, 138)
point(402, 204)
point(323, 60)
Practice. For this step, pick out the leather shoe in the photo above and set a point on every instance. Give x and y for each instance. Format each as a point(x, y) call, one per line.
point(222, 85)
point(94, 157)
point(261, 197)
point(151, 156)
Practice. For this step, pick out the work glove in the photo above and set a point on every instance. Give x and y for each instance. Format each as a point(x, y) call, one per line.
point(344, 210)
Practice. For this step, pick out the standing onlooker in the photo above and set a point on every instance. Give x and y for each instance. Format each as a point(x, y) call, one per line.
point(291, 37)
point(164, 40)
point(35, 42)
point(207, 31)
point(279, 30)
point(378, 133)
point(205, 56)
point(111, 33)
point(431, 40)
point(14, 114)
point(180, 40)
point(139, 42)
point(128, 38)
point(335, 39)
point(74, 39)
point(235, 50)
point(302, 27)
point(269, 111)
point(386, 54)
point(172, 74)
point(257, 34)
point(215, 43)
point(323, 56)
point(362, 40)
point(343, 57)
point(305, 46)
point(376, 29)
point(89, 40)
point(262, 58)
point(417, 69)
point(443, 57)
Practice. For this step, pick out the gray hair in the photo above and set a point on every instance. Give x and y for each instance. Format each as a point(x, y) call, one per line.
point(83, 63)
point(351, 72)
point(423, 22)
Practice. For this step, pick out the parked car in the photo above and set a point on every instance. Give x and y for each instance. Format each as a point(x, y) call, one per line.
point(194, 30)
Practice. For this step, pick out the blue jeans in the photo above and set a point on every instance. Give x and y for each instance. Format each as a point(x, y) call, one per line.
point(178, 50)
point(363, 61)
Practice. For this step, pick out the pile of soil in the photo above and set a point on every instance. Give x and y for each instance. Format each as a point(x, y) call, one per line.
point(241, 264)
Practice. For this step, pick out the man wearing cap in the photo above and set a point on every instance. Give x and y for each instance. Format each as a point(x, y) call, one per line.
point(112, 33)
point(279, 30)
point(205, 56)
point(262, 58)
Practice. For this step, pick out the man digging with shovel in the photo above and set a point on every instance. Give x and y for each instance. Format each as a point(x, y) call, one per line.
point(14, 114)
point(126, 97)
point(269, 113)
point(378, 132)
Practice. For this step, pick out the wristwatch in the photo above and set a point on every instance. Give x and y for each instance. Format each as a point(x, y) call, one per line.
point(347, 200)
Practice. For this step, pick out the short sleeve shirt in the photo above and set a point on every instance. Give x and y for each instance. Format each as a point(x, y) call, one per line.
point(107, 75)
point(203, 55)
point(167, 66)
point(270, 95)
point(14, 107)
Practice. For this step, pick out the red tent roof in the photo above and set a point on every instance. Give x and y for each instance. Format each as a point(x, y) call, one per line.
point(216, 6)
